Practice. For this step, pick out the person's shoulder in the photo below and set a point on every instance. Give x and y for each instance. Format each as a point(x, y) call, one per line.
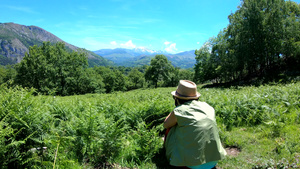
point(182, 108)
point(200, 103)
point(203, 105)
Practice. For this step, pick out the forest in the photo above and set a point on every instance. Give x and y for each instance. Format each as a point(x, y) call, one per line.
point(52, 70)
point(56, 111)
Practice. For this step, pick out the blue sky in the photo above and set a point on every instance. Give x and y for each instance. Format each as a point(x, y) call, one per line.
point(171, 25)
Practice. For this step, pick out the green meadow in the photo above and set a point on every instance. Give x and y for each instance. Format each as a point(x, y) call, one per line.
point(124, 129)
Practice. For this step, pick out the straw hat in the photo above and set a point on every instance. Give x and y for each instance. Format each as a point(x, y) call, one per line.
point(186, 90)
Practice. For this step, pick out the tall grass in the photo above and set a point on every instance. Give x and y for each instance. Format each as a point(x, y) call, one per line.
point(250, 106)
point(125, 129)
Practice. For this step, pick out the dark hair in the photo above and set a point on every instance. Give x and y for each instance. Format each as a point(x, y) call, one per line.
point(181, 101)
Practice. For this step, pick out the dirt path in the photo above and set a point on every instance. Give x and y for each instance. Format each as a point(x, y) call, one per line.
point(232, 151)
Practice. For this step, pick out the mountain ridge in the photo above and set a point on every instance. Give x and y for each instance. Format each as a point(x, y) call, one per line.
point(134, 57)
point(15, 40)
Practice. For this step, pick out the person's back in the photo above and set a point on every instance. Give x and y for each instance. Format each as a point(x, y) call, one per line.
point(193, 138)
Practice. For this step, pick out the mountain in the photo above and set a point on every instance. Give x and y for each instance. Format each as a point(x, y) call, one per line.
point(131, 52)
point(121, 56)
point(183, 59)
point(143, 56)
point(16, 39)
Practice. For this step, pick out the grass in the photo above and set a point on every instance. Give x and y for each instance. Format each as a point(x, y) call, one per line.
point(260, 150)
point(124, 130)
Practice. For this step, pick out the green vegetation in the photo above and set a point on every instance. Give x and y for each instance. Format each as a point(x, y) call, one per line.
point(262, 40)
point(5, 61)
point(54, 70)
point(7, 73)
point(159, 70)
point(125, 129)
point(107, 128)
point(51, 69)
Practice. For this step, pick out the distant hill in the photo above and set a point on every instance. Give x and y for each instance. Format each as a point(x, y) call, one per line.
point(143, 56)
point(16, 39)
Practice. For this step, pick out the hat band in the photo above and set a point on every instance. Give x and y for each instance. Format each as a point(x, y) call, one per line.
point(180, 95)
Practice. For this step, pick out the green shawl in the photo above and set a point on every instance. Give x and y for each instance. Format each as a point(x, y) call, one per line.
point(195, 139)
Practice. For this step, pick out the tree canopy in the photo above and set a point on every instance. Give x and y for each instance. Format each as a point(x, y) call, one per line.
point(262, 40)
point(159, 70)
point(51, 69)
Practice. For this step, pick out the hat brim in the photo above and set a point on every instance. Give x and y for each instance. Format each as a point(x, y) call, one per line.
point(186, 97)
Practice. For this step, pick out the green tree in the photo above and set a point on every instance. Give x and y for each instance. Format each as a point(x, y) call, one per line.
point(135, 79)
point(185, 74)
point(113, 78)
point(120, 81)
point(291, 37)
point(202, 70)
point(173, 77)
point(261, 40)
point(91, 82)
point(7, 73)
point(159, 70)
point(223, 66)
point(248, 37)
point(106, 74)
point(51, 69)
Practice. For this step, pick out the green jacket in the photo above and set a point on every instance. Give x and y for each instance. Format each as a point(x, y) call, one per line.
point(195, 139)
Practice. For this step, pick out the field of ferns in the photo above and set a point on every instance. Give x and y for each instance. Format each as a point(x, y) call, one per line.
point(124, 129)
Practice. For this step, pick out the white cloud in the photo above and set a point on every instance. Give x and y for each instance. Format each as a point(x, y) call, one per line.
point(128, 44)
point(113, 43)
point(167, 43)
point(198, 43)
point(171, 48)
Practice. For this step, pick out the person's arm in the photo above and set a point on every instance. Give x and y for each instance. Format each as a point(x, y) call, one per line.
point(170, 120)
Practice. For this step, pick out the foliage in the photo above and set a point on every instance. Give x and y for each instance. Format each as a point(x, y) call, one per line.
point(113, 79)
point(98, 79)
point(5, 60)
point(24, 123)
point(94, 80)
point(125, 129)
point(202, 63)
point(51, 69)
point(7, 73)
point(262, 40)
point(249, 106)
point(136, 79)
point(159, 71)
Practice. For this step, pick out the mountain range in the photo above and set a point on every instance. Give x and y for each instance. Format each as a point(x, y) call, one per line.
point(15, 40)
point(142, 56)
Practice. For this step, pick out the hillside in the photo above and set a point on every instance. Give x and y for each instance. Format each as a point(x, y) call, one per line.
point(16, 39)
point(143, 56)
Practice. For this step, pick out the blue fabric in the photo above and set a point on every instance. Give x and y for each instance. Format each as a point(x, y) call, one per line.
point(208, 165)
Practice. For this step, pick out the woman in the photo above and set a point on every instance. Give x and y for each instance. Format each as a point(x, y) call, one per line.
point(192, 138)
